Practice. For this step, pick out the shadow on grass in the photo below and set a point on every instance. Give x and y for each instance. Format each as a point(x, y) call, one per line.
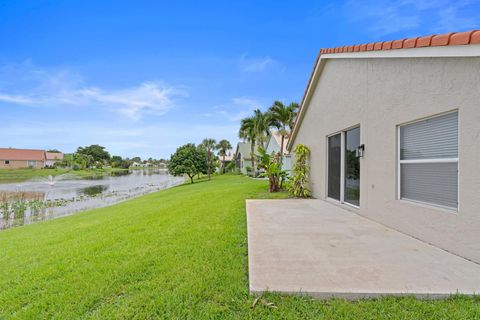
point(195, 181)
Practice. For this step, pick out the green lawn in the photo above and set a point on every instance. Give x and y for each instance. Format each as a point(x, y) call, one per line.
point(175, 254)
point(18, 175)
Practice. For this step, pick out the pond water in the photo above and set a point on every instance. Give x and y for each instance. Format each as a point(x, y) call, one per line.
point(47, 198)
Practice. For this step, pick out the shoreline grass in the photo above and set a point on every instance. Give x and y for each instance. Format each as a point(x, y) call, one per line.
point(180, 253)
point(20, 175)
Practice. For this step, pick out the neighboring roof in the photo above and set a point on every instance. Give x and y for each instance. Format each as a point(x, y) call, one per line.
point(228, 155)
point(244, 149)
point(278, 139)
point(471, 37)
point(54, 155)
point(21, 154)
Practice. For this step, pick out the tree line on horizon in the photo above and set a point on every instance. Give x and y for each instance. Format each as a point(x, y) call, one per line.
point(96, 156)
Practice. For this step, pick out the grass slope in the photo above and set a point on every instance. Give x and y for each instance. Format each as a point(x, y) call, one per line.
point(176, 254)
point(18, 175)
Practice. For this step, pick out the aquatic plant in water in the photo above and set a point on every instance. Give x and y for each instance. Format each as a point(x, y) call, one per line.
point(19, 207)
point(4, 209)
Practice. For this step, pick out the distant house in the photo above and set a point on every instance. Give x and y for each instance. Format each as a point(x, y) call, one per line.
point(11, 158)
point(224, 161)
point(243, 158)
point(52, 158)
point(273, 145)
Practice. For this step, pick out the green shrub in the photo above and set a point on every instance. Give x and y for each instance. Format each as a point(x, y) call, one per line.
point(272, 164)
point(299, 184)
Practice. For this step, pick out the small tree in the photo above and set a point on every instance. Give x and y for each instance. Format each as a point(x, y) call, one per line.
point(282, 118)
point(189, 160)
point(209, 145)
point(272, 164)
point(299, 185)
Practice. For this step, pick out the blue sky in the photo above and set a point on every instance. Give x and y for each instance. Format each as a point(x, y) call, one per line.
point(143, 77)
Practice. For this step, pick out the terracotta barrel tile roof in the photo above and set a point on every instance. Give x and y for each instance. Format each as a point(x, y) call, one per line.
point(21, 154)
point(446, 39)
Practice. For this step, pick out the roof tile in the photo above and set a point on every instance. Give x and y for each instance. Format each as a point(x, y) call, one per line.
point(410, 43)
point(460, 38)
point(441, 39)
point(387, 45)
point(397, 44)
point(424, 41)
point(475, 38)
point(377, 46)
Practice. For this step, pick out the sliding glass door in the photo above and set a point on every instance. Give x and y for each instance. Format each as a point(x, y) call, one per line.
point(344, 167)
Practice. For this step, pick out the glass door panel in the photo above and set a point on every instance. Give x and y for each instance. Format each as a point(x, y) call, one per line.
point(334, 166)
point(352, 167)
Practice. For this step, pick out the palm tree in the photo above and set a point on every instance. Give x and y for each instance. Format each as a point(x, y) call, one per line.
point(223, 146)
point(248, 132)
point(262, 123)
point(209, 145)
point(283, 118)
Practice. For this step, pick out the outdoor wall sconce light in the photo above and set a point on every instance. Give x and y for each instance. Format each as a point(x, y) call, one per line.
point(360, 150)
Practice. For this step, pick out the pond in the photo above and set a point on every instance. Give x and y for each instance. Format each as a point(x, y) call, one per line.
point(47, 198)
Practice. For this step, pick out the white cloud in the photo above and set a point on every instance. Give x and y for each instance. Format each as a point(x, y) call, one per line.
point(15, 99)
point(236, 110)
point(40, 87)
point(251, 64)
point(388, 17)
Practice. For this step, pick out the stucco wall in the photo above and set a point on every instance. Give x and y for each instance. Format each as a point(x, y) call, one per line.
point(16, 164)
point(379, 94)
point(246, 163)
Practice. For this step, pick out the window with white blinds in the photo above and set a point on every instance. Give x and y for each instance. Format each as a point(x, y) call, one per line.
point(429, 161)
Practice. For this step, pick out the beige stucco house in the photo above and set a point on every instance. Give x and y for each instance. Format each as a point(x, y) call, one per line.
point(52, 158)
point(394, 133)
point(11, 158)
point(243, 158)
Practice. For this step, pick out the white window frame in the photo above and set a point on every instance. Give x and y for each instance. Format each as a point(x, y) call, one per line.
point(435, 160)
point(342, 165)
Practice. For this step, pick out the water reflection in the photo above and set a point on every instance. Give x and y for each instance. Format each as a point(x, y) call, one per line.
point(30, 201)
point(92, 191)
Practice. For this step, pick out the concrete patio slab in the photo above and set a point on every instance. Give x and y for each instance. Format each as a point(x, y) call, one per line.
point(317, 248)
